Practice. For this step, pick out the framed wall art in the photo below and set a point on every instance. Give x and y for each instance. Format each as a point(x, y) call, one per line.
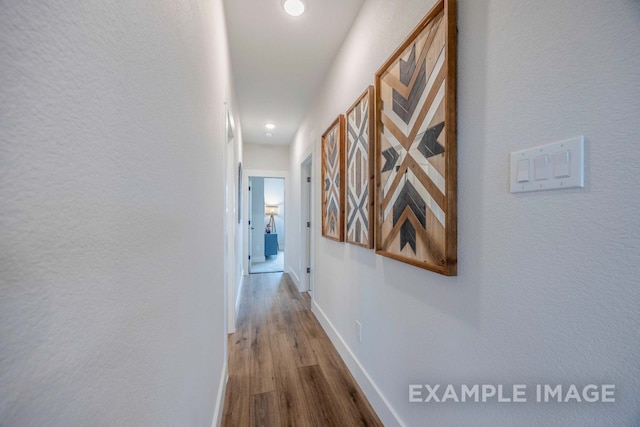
point(333, 181)
point(416, 156)
point(360, 171)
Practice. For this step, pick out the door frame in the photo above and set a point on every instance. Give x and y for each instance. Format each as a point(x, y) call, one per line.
point(230, 218)
point(261, 173)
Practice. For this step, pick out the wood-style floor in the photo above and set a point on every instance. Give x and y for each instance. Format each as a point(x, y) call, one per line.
point(283, 370)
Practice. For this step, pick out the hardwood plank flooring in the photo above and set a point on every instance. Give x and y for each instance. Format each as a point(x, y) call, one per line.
point(265, 411)
point(283, 369)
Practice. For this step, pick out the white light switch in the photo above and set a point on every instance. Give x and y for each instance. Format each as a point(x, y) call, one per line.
point(523, 170)
point(561, 165)
point(548, 167)
point(541, 167)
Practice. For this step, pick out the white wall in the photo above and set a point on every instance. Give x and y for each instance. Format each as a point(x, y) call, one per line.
point(547, 288)
point(266, 157)
point(111, 212)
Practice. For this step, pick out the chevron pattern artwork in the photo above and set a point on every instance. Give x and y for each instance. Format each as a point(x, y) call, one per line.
point(359, 198)
point(333, 181)
point(416, 171)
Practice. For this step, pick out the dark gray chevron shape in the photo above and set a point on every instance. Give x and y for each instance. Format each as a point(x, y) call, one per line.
point(358, 137)
point(359, 207)
point(408, 67)
point(429, 145)
point(327, 184)
point(391, 157)
point(409, 197)
point(405, 107)
point(408, 235)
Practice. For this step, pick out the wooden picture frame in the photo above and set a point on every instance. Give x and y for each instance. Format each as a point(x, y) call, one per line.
point(333, 181)
point(359, 182)
point(416, 153)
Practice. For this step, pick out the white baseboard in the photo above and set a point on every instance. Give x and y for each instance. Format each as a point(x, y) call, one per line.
point(381, 405)
point(222, 389)
point(293, 275)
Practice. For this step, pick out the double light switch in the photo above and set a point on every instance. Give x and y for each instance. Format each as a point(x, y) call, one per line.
point(548, 167)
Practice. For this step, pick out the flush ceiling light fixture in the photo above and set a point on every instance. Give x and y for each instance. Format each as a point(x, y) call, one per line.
point(270, 126)
point(293, 7)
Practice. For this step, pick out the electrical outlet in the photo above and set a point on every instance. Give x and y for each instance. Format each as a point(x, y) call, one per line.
point(358, 331)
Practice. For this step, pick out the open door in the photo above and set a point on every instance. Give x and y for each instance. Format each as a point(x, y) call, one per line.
point(250, 226)
point(256, 201)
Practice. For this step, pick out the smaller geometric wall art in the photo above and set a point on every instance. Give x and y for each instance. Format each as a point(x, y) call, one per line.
point(360, 172)
point(416, 152)
point(333, 181)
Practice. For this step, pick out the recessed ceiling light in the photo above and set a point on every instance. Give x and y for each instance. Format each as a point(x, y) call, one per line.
point(269, 135)
point(270, 126)
point(293, 7)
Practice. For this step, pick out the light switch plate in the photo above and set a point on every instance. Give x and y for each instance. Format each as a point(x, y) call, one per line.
point(564, 165)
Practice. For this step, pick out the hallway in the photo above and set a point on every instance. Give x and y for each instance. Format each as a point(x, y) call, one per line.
point(283, 370)
point(130, 132)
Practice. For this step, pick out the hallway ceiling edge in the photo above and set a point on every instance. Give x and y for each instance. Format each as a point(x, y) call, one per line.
point(279, 62)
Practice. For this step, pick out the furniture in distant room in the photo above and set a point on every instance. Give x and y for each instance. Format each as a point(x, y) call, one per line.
point(270, 244)
point(270, 211)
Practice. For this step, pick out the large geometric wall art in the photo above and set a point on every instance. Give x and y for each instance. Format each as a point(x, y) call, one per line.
point(333, 181)
point(359, 197)
point(416, 166)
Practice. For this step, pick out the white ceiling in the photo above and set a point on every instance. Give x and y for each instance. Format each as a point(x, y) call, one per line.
point(279, 61)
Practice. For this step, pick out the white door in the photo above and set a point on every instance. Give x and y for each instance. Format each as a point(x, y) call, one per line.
point(250, 225)
point(257, 221)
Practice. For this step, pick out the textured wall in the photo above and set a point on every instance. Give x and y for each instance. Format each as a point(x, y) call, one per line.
point(111, 207)
point(547, 289)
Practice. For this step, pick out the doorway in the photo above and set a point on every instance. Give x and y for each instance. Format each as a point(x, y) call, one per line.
point(266, 224)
